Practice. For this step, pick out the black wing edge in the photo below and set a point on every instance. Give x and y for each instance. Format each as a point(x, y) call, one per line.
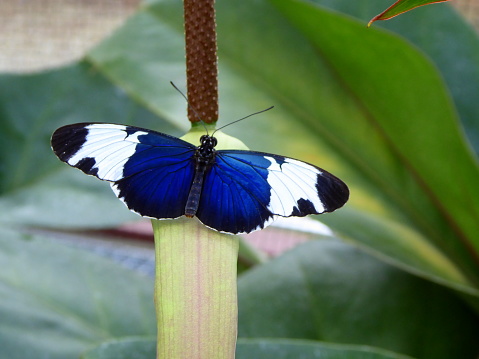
point(332, 191)
point(67, 140)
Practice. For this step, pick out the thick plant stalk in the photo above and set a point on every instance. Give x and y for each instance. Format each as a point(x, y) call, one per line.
point(195, 284)
point(201, 60)
point(195, 291)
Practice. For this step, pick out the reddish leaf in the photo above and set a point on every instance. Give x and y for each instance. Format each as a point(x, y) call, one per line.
point(401, 6)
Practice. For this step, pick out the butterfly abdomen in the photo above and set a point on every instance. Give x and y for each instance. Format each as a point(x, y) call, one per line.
point(204, 158)
point(194, 196)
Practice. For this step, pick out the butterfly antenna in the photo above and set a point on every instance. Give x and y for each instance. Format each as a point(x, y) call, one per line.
point(189, 105)
point(256, 113)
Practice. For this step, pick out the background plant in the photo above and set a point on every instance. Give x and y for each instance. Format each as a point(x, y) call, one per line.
point(389, 117)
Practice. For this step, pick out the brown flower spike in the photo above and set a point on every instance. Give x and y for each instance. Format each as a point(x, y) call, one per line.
point(201, 60)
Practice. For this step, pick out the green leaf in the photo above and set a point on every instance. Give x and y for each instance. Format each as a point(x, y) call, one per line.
point(449, 41)
point(139, 348)
point(35, 187)
point(401, 246)
point(418, 128)
point(67, 199)
point(56, 301)
point(328, 291)
point(401, 6)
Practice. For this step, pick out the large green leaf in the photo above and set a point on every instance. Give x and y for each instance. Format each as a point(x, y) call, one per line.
point(139, 348)
point(56, 302)
point(418, 126)
point(35, 187)
point(331, 292)
point(450, 42)
point(401, 246)
point(345, 100)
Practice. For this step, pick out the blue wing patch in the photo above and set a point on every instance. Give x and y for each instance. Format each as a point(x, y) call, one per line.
point(157, 175)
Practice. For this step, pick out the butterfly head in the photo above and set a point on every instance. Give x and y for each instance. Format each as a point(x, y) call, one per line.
point(206, 150)
point(208, 141)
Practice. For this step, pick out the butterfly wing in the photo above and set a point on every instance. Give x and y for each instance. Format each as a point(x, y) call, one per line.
point(152, 174)
point(245, 190)
point(149, 171)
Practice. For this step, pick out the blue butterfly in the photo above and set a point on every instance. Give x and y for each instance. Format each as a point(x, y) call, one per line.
point(161, 176)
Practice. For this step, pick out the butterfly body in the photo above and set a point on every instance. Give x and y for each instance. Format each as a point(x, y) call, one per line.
point(161, 176)
point(204, 159)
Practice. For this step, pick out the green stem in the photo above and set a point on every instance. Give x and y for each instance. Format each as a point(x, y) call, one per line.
point(195, 290)
point(195, 283)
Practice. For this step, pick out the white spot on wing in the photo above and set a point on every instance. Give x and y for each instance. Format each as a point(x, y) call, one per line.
point(290, 182)
point(110, 147)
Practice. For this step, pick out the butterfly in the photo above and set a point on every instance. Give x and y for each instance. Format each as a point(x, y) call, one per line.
point(160, 176)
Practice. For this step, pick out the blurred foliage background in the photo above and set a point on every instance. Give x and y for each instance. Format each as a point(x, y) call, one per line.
point(392, 110)
point(43, 34)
